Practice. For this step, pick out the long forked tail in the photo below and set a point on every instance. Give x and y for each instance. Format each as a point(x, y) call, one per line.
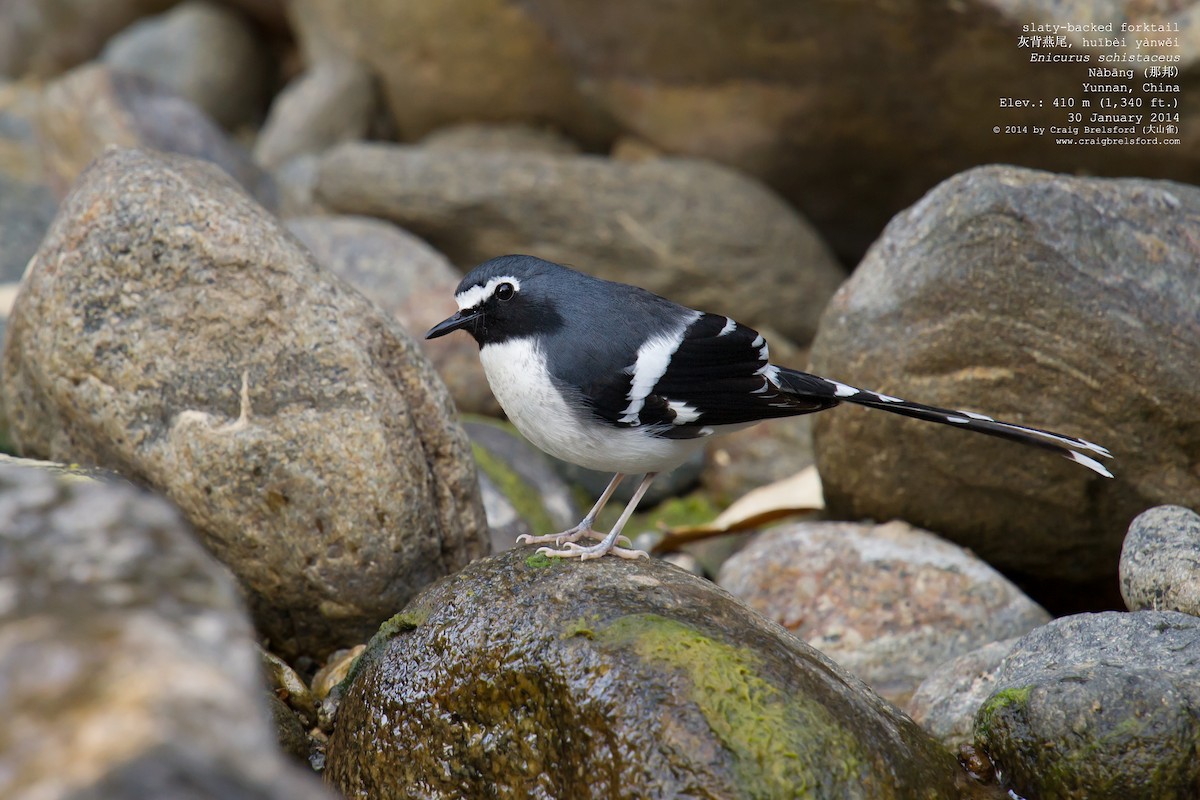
point(803, 384)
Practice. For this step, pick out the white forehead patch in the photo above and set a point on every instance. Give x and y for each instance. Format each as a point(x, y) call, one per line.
point(477, 294)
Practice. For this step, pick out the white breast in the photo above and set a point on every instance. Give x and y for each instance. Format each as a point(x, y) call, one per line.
point(516, 371)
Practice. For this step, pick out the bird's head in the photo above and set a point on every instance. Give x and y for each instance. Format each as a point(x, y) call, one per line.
point(509, 296)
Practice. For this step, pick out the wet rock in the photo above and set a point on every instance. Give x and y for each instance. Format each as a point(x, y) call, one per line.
point(129, 662)
point(528, 495)
point(289, 730)
point(528, 676)
point(1099, 705)
point(1042, 299)
point(946, 702)
point(201, 51)
point(333, 101)
point(171, 330)
point(1160, 561)
point(443, 62)
point(697, 233)
point(888, 602)
point(94, 107)
point(44, 39)
point(407, 278)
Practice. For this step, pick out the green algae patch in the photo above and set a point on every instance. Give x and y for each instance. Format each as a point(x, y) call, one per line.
point(539, 561)
point(400, 623)
point(583, 626)
point(1017, 696)
point(524, 498)
point(782, 746)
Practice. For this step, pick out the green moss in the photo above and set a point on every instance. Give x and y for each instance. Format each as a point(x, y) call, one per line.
point(782, 746)
point(539, 561)
point(403, 622)
point(583, 626)
point(524, 498)
point(1017, 696)
point(399, 623)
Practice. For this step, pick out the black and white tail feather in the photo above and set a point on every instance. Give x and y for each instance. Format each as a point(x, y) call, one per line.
point(805, 385)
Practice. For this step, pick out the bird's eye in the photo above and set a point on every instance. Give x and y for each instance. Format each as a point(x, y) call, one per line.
point(505, 291)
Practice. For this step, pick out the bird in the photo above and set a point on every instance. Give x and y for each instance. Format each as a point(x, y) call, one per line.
point(615, 378)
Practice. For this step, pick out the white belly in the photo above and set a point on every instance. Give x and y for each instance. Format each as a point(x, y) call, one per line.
point(516, 371)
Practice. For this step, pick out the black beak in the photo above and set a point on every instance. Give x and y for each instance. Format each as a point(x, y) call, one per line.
point(460, 320)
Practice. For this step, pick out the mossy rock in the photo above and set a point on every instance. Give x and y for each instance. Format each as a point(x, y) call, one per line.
point(528, 677)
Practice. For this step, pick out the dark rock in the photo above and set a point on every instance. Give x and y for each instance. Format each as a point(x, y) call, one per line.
point(888, 602)
point(93, 108)
point(289, 730)
point(171, 330)
point(410, 280)
point(695, 232)
point(946, 702)
point(201, 51)
point(1160, 561)
point(129, 663)
point(525, 676)
point(1070, 304)
point(1098, 706)
point(333, 101)
point(444, 62)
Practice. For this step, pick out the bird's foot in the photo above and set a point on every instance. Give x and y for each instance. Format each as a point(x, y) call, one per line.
point(567, 537)
point(572, 550)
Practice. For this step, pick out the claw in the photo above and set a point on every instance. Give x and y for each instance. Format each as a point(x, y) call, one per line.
point(572, 550)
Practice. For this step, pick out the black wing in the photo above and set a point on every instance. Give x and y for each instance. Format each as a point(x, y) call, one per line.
point(716, 373)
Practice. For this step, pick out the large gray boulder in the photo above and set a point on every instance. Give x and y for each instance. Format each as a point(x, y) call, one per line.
point(171, 330)
point(1064, 303)
point(130, 669)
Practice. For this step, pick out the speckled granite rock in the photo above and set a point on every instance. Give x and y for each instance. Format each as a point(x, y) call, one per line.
point(1098, 706)
point(946, 702)
point(129, 663)
point(171, 330)
point(887, 602)
point(407, 278)
point(525, 676)
point(1160, 561)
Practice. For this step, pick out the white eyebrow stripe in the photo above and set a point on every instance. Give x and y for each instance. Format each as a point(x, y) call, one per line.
point(478, 294)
